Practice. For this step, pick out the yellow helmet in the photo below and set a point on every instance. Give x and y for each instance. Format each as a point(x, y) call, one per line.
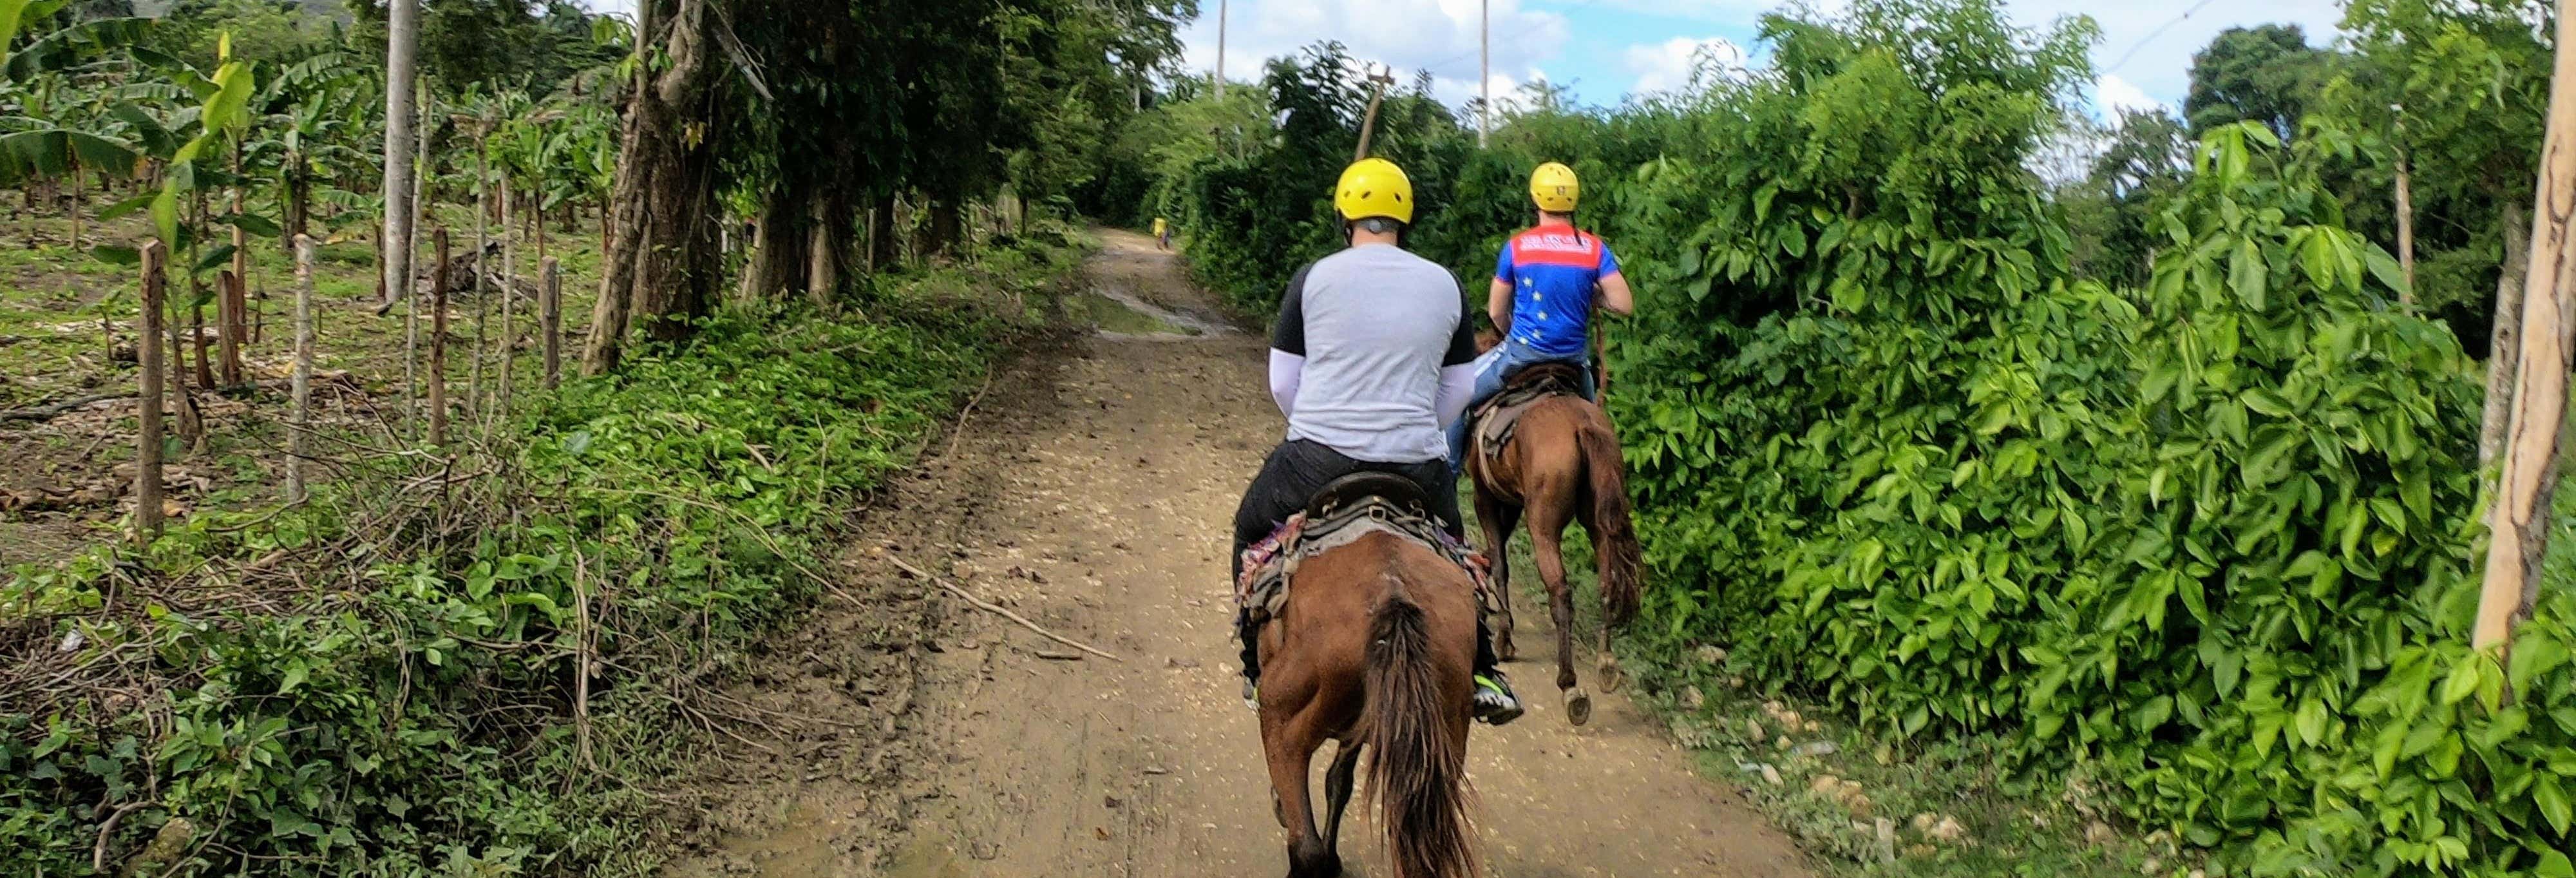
point(1374, 188)
point(1554, 188)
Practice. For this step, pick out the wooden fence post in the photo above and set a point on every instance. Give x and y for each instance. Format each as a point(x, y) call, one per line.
point(228, 324)
point(438, 344)
point(509, 299)
point(2520, 520)
point(550, 305)
point(300, 445)
point(147, 354)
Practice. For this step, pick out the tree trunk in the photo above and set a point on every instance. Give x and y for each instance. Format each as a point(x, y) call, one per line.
point(2506, 338)
point(474, 399)
point(777, 260)
point(509, 295)
point(401, 42)
point(147, 356)
point(299, 445)
point(881, 240)
point(827, 248)
point(2520, 520)
point(77, 203)
point(2405, 235)
point(299, 208)
point(550, 317)
point(939, 236)
point(236, 325)
point(437, 299)
point(659, 261)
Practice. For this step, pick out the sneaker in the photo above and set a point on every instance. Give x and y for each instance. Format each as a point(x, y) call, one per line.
point(1495, 703)
point(1252, 695)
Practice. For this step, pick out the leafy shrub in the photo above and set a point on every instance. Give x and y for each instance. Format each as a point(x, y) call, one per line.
point(399, 701)
point(2211, 539)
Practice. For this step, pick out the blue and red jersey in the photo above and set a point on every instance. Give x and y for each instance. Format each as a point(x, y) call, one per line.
point(1553, 270)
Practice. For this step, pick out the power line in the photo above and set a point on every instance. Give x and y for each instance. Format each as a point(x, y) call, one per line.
point(2152, 35)
point(1579, 4)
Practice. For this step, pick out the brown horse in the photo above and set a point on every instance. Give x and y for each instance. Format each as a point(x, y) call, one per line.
point(1560, 465)
point(1374, 649)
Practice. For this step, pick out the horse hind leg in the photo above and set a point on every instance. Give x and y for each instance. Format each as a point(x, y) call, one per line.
point(1497, 518)
point(1606, 664)
point(1289, 741)
point(1546, 546)
point(1337, 791)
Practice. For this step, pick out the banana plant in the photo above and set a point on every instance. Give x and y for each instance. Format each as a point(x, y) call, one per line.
point(223, 113)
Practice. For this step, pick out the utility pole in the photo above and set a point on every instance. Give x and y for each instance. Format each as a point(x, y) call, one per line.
point(1220, 48)
point(1485, 72)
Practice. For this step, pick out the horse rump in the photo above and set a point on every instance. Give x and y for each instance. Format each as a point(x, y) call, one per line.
point(1417, 768)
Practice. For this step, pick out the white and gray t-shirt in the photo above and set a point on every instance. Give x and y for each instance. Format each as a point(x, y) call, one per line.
point(1375, 325)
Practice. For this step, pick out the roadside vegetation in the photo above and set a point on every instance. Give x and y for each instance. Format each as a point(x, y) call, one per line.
point(2144, 505)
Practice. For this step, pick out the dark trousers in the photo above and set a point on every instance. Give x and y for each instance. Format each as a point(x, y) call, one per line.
point(1299, 468)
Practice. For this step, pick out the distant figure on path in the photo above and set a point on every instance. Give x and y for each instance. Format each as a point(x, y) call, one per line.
point(1162, 234)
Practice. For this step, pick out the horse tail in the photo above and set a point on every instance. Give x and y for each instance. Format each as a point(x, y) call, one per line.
point(1614, 536)
point(1417, 769)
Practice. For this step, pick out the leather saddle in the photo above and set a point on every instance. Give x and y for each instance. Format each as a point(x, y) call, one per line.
point(1347, 509)
point(1499, 417)
point(1358, 488)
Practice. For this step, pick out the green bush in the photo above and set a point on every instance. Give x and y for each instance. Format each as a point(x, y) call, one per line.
point(2211, 539)
point(405, 709)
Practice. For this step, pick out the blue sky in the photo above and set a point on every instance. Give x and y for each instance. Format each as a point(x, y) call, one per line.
point(1609, 48)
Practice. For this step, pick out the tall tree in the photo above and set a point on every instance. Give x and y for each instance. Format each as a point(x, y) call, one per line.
point(2112, 212)
point(659, 263)
point(401, 51)
point(2268, 74)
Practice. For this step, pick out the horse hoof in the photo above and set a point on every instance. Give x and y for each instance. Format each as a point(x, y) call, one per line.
point(1504, 650)
point(1612, 677)
point(1578, 706)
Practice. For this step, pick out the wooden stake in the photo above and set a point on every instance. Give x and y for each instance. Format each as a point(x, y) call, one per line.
point(509, 296)
point(2521, 516)
point(550, 305)
point(77, 202)
point(147, 354)
point(474, 401)
point(230, 305)
point(299, 446)
point(438, 343)
point(236, 328)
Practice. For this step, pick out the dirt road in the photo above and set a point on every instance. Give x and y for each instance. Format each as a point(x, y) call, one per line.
point(1090, 492)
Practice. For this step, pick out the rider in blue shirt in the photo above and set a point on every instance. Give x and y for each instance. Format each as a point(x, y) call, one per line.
point(1546, 284)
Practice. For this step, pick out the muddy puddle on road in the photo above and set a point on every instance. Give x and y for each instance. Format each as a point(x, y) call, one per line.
point(1115, 313)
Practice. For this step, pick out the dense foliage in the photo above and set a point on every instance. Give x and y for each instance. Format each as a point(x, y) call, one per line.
point(412, 714)
point(2205, 538)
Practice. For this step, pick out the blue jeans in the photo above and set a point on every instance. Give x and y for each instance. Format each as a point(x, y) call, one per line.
point(1492, 369)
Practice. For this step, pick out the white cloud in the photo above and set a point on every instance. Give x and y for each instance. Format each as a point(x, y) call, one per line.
point(1672, 64)
point(2113, 95)
point(1408, 35)
point(2146, 45)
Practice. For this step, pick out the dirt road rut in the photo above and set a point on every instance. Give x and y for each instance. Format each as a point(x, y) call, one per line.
point(1090, 493)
